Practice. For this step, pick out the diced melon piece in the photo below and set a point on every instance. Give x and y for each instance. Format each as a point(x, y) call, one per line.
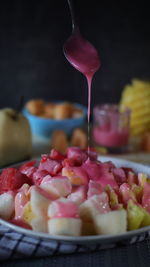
point(65, 226)
point(135, 215)
point(113, 222)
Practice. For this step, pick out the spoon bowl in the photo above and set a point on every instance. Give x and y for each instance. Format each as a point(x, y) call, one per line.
point(81, 54)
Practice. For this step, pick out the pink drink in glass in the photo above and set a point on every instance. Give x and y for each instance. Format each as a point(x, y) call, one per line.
point(111, 127)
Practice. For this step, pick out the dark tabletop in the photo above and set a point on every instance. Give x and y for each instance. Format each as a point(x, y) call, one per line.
point(137, 255)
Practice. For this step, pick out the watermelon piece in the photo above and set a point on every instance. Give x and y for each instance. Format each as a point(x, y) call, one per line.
point(70, 163)
point(28, 168)
point(77, 155)
point(56, 155)
point(38, 176)
point(20, 223)
point(99, 172)
point(120, 175)
point(92, 154)
point(27, 165)
point(53, 167)
point(12, 179)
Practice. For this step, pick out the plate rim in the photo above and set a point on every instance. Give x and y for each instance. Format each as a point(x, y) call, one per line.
point(93, 239)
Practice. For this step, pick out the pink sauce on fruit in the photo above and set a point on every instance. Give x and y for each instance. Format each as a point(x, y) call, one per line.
point(65, 209)
point(44, 193)
point(79, 194)
point(20, 200)
point(107, 187)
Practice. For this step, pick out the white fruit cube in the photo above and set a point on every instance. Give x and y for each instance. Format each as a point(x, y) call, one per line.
point(7, 205)
point(39, 202)
point(39, 224)
point(65, 226)
point(79, 195)
point(94, 205)
point(58, 187)
point(113, 222)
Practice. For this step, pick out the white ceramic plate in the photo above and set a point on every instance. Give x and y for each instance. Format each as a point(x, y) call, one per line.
point(128, 237)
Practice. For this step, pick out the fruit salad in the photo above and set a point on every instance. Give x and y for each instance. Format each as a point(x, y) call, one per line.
point(74, 195)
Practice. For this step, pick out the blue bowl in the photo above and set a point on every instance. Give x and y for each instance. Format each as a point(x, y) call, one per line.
point(44, 126)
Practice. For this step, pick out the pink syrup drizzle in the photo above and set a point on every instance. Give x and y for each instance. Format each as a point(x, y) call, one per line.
point(83, 56)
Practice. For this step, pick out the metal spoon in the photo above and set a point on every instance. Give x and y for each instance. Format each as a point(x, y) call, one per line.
point(81, 54)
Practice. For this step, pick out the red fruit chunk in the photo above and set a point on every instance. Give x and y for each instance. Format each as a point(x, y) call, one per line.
point(56, 155)
point(120, 175)
point(108, 179)
point(29, 171)
point(99, 172)
point(28, 168)
point(92, 154)
point(109, 165)
point(44, 157)
point(53, 167)
point(127, 170)
point(77, 155)
point(27, 165)
point(12, 179)
point(21, 223)
point(95, 169)
point(38, 176)
point(70, 163)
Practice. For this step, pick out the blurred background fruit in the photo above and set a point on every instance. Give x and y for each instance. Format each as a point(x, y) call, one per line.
point(15, 137)
point(46, 117)
point(136, 96)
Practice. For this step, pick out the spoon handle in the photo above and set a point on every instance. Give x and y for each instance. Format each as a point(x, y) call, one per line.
point(74, 17)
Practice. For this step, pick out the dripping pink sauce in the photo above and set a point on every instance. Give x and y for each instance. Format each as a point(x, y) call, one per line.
point(84, 57)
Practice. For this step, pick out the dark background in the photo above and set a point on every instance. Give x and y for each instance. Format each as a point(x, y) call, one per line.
point(32, 34)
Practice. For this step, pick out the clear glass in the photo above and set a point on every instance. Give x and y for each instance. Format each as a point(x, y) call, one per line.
point(111, 127)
